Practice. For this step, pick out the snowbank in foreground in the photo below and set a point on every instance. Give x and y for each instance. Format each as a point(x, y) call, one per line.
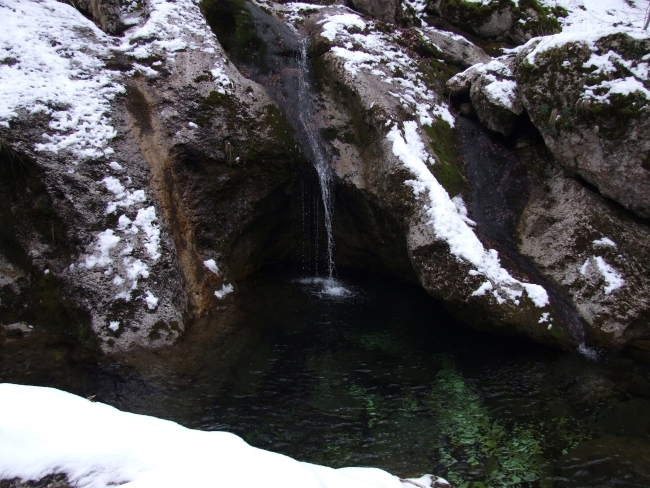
point(45, 431)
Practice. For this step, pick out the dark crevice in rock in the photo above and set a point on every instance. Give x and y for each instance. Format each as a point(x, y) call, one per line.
point(498, 195)
point(616, 207)
point(367, 237)
point(34, 238)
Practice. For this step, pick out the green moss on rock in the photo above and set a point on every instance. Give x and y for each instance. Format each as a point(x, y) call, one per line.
point(448, 166)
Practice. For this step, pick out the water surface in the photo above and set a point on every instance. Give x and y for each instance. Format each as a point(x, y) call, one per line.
point(369, 371)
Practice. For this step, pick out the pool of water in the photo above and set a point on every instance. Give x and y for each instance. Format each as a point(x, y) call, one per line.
point(368, 371)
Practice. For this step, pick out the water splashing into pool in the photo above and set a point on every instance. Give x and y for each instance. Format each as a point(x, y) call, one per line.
point(316, 152)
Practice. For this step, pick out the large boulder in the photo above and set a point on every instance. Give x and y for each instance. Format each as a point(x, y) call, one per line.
point(137, 177)
point(596, 252)
point(590, 99)
point(493, 92)
point(383, 10)
point(451, 47)
point(502, 20)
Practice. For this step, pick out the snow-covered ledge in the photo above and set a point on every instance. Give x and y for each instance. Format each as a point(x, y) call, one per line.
point(45, 431)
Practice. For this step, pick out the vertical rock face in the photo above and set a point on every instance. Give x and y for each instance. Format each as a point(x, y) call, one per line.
point(587, 94)
point(150, 168)
point(590, 102)
point(107, 14)
point(596, 252)
point(147, 172)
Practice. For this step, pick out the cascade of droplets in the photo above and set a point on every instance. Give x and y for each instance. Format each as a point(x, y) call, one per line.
point(316, 153)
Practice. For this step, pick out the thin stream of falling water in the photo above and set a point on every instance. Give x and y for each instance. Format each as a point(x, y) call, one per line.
point(317, 156)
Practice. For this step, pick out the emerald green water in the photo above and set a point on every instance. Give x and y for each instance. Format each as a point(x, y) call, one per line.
point(383, 376)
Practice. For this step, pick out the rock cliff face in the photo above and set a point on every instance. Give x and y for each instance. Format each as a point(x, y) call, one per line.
point(130, 232)
point(137, 211)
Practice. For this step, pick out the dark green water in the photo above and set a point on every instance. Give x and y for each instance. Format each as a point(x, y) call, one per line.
point(383, 377)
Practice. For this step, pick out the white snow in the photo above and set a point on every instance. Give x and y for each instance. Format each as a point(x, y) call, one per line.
point(211, 265)
point(192, 125)
point(172, 27)
point(125, 198)
point(225, 290)
point(481, 290)
point(51, 62)
point(337, 24)
point(46, 431)
point(113, 326)
point(116, 166)
point(57, 67)
point(295, 11)
point(586, 24)
point(145, 220)
point(106, 241)
point(588, 16)
point(613, 279)
point(544, 318)
point(503, 92)
point(151, 300)
point(604, 241)
point(361, 48)
point(451, 226)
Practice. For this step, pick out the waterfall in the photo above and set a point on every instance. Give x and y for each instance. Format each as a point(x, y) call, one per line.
point(315, 153)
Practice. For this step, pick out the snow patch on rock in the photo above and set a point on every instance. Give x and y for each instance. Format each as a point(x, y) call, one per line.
point(363, 48)
point(450, 225)
point(51, 62)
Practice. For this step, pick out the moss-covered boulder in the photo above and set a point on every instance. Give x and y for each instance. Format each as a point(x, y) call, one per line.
point(502, 20)
point(383, 10)
point(590, 99)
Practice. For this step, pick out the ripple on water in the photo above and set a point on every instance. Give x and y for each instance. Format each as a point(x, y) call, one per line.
point(366, 371)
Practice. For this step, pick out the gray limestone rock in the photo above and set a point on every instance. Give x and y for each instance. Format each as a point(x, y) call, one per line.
point(600, 256)
point(383, 10)
point(454, 48)
point(111, 247)
point(592, 127)
point(493, 92)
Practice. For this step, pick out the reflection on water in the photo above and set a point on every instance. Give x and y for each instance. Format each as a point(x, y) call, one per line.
point(374, 373)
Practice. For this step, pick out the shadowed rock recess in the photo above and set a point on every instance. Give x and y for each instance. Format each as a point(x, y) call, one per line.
point(478, 149)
